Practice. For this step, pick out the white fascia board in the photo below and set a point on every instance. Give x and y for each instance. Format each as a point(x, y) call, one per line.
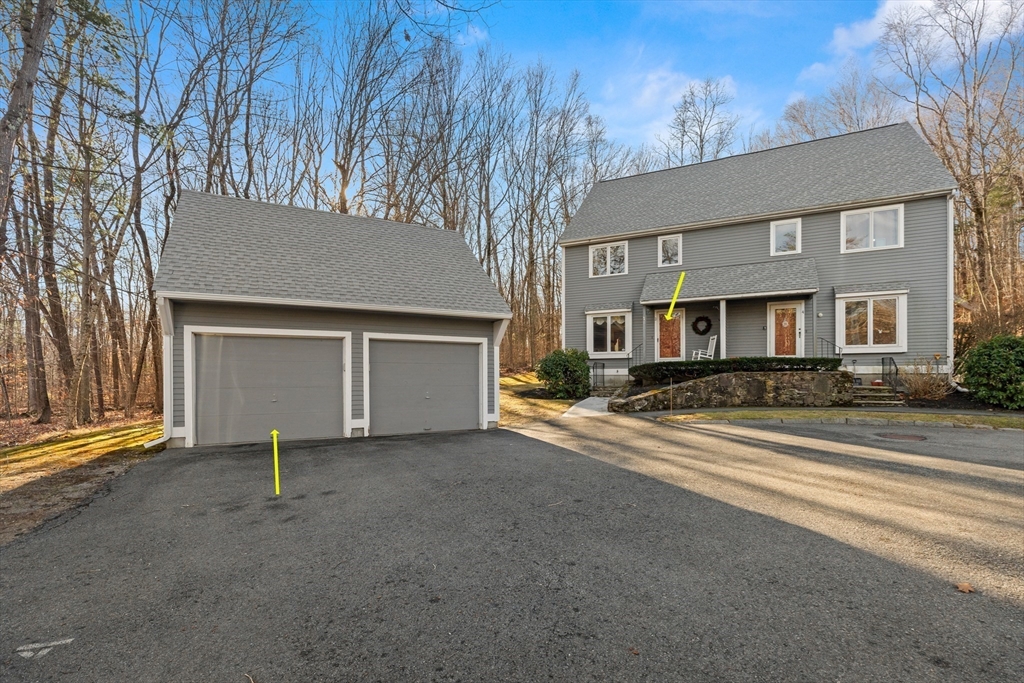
point(824, 208)
point(731, 297)
point(268, 301)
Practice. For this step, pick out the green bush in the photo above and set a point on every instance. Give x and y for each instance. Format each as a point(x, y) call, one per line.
point(994, 371)
point(685, 370)
point(565, 373)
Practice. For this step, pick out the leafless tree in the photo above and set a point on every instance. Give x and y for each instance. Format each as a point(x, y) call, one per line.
point(702, 127)
point(960, 66)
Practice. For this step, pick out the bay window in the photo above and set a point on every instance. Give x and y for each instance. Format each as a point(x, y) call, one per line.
point(875, 322)
point(609, 334)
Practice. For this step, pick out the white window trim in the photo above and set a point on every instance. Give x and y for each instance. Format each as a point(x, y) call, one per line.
point(678, 314)
point(590, 333)
point(800, 337)
point(799, 236)
point(871, 228)
point(367, 422)
point(901, 322)
point(608, 245)
point(189, 340)
point(679, 242)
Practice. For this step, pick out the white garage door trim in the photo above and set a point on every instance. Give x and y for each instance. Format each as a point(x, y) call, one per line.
point(480, 341)
point(190, 366)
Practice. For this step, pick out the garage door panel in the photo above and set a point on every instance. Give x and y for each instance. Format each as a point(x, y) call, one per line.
point(247, 386)
point(423, 386)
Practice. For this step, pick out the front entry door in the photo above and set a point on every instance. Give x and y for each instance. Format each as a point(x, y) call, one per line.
point(669, 333)
point(786, 329)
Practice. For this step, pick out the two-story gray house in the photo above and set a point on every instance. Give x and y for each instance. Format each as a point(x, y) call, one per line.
point(839, 245)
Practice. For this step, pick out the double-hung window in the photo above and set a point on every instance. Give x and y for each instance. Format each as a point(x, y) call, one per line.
point(608, 259)
point(786, 237)
point(869, 323)
point(670, 250)
point(609, 333)
point(871, 229)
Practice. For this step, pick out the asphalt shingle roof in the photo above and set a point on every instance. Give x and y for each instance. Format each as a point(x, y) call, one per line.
point(241, 248)
point(733, 282)
point(892, 161)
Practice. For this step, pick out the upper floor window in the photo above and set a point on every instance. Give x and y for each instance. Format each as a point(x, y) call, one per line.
point(786, 237)
point(866, 229)
point(608, 259)
point(670, 250)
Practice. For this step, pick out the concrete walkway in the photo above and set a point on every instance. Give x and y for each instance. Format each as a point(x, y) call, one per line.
point(588, 407)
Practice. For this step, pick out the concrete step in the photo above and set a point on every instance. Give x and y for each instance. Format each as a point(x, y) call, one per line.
point(877, 403)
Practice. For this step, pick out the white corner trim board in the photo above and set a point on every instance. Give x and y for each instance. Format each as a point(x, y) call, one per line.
point(443, 339)
point(189, 341)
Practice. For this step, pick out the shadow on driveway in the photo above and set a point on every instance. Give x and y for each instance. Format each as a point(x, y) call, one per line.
point(476, 556)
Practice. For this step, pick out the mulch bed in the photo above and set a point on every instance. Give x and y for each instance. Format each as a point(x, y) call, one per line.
point(958, 401)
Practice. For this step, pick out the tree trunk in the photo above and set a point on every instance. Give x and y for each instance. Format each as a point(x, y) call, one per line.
point(34, 32)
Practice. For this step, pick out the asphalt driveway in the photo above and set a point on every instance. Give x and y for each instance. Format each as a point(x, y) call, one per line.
point(479, 556)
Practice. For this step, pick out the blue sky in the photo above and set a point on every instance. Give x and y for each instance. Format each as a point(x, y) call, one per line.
point(635, 58)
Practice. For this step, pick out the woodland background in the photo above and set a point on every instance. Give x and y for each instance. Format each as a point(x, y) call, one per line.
point(113, 107)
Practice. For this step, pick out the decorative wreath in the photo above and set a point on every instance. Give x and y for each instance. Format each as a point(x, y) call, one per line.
point(701, 325)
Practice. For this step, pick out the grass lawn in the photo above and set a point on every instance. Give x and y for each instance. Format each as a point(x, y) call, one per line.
point(995, 421)
point(41, 480)
point(523, 400)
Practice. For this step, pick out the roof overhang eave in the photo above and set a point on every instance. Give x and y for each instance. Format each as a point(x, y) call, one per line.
point(731, 297)
point(270, 301)
point(755, 217)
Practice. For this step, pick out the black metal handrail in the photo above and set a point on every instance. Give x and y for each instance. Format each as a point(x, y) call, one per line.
point(891, 374)
point(594, 365)
point(629, 358)
point(827, 349)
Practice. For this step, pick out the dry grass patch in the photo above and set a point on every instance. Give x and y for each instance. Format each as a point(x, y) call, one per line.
point(39, 481)
point(994, 421)
point(524, 400)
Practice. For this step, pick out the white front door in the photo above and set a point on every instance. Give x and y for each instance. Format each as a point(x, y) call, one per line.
point(669, 343)
point(786, 329)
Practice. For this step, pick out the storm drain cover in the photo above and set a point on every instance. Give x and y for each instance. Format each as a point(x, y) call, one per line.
point(904, 437)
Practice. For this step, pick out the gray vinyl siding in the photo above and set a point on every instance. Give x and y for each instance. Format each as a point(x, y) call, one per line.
point(233, 315)
point(921, 263)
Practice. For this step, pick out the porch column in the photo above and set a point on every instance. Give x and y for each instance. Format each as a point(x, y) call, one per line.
point(721, 323)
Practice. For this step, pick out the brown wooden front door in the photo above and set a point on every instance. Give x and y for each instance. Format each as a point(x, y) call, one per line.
point(785, 321)
point(670, 337)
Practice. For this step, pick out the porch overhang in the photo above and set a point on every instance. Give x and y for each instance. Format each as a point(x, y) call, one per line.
point(787, 277)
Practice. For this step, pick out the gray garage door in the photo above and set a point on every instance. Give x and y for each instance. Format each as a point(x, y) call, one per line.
point(420, 387)
point(247, 386)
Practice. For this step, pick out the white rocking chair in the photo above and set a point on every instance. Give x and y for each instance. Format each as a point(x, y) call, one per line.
point(701, 354)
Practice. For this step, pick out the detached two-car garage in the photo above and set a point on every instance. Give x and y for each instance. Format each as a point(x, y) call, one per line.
point(364, 327)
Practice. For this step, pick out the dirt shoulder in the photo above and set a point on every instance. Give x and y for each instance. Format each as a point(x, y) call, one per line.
point(41, 480)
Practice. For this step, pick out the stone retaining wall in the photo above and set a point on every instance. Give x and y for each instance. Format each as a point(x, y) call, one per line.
point(737, 389)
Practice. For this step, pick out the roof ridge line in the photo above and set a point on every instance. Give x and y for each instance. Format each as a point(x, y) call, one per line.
point(316, 211)
point(759, 151)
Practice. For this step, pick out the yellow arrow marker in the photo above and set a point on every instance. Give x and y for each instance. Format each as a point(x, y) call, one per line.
point(277, 473)
point(679, 285)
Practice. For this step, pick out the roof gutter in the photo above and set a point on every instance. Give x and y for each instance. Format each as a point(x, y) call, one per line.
point(730, 297)
point(754, 217)
point(268, 301)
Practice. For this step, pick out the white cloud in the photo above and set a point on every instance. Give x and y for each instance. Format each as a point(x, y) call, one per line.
point(471, 36)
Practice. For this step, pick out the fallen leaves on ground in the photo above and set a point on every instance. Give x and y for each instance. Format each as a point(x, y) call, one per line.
point(965, 587)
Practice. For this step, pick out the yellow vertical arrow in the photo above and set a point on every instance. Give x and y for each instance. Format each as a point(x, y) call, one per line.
point(679, 285)
point(277, 474)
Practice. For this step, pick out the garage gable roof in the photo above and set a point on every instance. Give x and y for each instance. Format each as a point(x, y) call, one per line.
point(855, 168)
point(227, 249)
